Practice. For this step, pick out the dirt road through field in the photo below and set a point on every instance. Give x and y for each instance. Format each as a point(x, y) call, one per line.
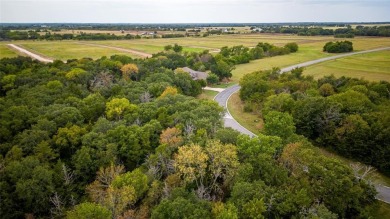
point(31, 54)
point(135, 52)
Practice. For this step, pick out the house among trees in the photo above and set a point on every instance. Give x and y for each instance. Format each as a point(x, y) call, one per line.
point(195, 75)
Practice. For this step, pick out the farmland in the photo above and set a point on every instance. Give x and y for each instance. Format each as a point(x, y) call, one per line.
point(370, 66)
point(310, 47)
point(5, 51)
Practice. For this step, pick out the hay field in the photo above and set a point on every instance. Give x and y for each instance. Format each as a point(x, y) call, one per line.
point(371, 66)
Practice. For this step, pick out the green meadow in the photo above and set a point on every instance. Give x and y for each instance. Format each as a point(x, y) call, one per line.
point(371, 66)
point(5, 51)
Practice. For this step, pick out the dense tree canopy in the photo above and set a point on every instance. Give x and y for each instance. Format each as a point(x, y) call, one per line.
point(340, 113)
point(81, 140)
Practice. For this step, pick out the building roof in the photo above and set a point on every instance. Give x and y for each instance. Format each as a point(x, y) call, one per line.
point(196, 75)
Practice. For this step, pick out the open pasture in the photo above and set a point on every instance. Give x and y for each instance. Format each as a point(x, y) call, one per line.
point(308, 50)
point(310, 47)
point(5, 51)
point(64, 50)
point(371, 66)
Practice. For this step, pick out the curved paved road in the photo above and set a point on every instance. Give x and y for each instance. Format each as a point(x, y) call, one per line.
point(223, 97)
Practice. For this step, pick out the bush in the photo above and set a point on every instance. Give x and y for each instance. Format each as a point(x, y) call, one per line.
point(338, 47)
point(212, 78)
point(293, 47)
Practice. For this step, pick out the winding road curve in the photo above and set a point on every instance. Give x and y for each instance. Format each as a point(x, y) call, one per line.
point(223, 97)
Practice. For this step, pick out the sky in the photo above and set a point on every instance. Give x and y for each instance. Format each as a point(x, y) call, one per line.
point(193, 11)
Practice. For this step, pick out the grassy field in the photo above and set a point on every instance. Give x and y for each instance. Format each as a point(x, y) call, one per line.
point(5, 51)
point(310, 47)
point(383, 211)
point(207, 94)
point(64, 50)
point(305, 53)
point(371, 66)
point(251, 121)
point(308, 51)
point(150, 46)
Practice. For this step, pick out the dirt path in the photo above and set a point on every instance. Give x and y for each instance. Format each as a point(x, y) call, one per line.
point(32, 55)
point(135, 52)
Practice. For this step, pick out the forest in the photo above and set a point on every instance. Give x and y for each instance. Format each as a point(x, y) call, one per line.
point(347, 115)
point(126, 138)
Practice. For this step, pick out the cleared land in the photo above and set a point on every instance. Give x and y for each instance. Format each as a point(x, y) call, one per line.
point(6, 51)
point(310, 47)
point(207, 94)
point(307, 51)
point(28, 53)
point(64, 50)
point(135, 52)
point(371, 66)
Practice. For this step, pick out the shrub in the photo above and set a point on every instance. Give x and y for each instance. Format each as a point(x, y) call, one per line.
point(338, 47)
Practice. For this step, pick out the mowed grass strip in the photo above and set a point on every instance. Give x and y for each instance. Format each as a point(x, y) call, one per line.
point(310, 51)
point(6, 52)
point(251, 121)
point(383, 211)
point(148, 46)
point(371, 66)
point(305, 53)
point(207, 94)
point(64, 50)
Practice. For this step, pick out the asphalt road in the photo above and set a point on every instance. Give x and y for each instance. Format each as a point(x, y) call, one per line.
point(223, 97)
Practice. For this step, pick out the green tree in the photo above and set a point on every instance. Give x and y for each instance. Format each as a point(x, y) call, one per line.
point(279, 124)
point(212, 78)
point(177, 48)
point(117, 107)
point(222, 69)
point(88, 210)
point(254, 209)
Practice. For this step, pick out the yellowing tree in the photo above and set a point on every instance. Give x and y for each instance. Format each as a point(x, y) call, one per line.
point(172, 137)
point(169, 91)
point(223, 161)
point(118, 199)
point(191, 163)
point(128, 70)
point(114, 196)
point(117, 107)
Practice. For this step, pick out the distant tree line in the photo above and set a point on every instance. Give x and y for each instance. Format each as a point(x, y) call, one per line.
point(383, 31)
point(33, 35)
point(173, 35)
